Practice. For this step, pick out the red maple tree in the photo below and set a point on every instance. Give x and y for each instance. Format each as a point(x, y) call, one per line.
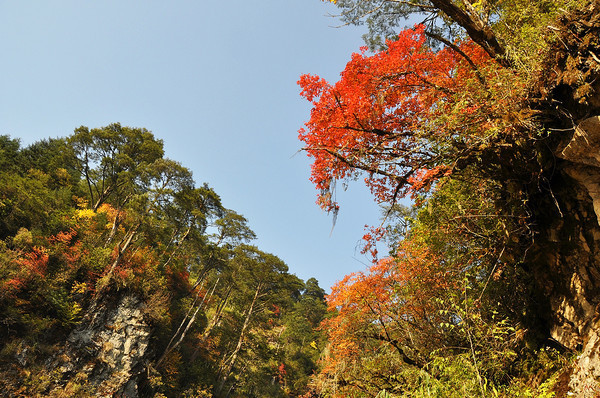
point(403, 117)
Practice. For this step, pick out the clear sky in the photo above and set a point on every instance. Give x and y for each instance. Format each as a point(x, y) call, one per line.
point(216, 81)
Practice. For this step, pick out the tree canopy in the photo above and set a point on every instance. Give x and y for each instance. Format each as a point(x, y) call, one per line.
point(455, 112)
point(102, 214)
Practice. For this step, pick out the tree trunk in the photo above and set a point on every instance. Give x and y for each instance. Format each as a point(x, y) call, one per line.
point(188, 322)
point(229, 365)
point(123, 246)
point(477, 29)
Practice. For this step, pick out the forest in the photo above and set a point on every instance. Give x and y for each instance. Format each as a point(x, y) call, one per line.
point(485, 115)
point(476, 129)
point(122, 277)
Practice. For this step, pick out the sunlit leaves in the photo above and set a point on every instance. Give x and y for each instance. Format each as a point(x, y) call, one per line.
point(111, 216)
point(389, 313)
point(389, 117)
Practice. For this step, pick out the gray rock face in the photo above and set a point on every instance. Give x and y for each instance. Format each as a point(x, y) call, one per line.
point(583, 147)
point(584, 152)
point(109, 348)
point(581, 318)
point(586, 375)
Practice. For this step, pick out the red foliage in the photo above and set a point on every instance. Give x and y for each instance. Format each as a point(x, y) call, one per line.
point(137, 264)
point(36, 261)
point(178, 280)
point(65, 245)
point(386, 117)
point(12, 286)
point(64, 237)
point(370, 241)
point(281, 373)
point(276, 311)
point(29, 266)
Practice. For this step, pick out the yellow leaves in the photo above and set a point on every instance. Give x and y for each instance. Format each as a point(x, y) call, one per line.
point(81, 202)
point(84, 214)
point(107, 209)
point(73, 313)
point(62, 176)
point(79, 288)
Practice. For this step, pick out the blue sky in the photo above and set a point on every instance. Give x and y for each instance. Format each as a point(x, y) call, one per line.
point(216, 81)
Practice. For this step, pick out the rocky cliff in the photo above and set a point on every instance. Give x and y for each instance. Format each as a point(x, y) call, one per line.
point(108, 350)
point(566, 255)
point(572, 257)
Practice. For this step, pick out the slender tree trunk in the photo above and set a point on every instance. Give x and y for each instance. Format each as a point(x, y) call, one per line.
point(102, 197)
point(231, 362)
point(117, 222)
point(185, 235)
point(123, 246)
point(190, 322)
point(113, 230)
point(217, 317)
point(214, 321)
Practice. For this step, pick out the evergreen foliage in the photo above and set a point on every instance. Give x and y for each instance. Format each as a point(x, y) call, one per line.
point(103, 213)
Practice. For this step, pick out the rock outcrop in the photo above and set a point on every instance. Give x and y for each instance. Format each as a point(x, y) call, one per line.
point(108, 350)
point(585, 381)
point(577, 304)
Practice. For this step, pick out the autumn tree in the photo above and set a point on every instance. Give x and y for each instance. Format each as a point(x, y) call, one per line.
point(111, 160)
point(456, 113)
point(406, 117)
point(446, 95)
point(102, 214)
point(440, 313)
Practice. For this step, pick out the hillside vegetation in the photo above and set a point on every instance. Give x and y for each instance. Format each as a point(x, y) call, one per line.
point(486, 115)
point(120, 277)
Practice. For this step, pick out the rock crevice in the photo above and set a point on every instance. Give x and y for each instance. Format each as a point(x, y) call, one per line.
point(578, 308)
point(109, 348)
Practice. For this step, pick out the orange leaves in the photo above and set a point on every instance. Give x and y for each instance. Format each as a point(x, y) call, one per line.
point(36, 261)
point(178, 279)
point(373, 310)
point(65, 245)
point(55, 258)
point(138, 266)
point(422, 180)
point(64, 237)
point(370, 241)
point(22, 269)
point(12, 286)
point(387, 116)
point(312, 87)
point(281, 373)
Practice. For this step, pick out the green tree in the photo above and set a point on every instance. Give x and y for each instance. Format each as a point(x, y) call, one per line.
point(112, 217)
point(113, 159)
point(302, 339)
point(9, 153)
